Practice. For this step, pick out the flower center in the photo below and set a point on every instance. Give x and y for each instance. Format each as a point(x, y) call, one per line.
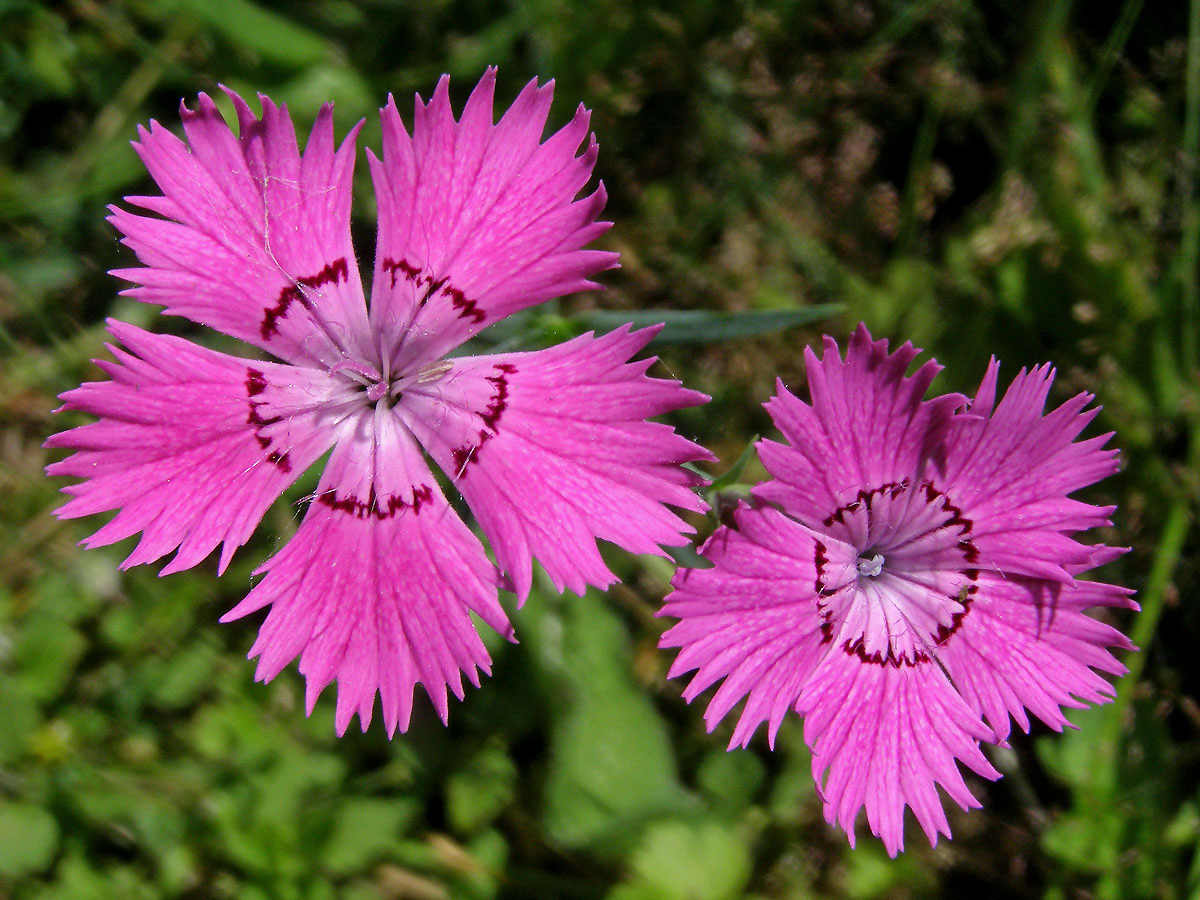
point(896, 576)
point(376, 385)
point(869, 567)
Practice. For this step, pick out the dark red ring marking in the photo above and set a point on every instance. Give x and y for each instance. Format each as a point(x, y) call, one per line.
point(966, 546)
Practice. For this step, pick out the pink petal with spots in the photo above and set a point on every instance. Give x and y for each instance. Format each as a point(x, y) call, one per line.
point(254, 238)
point(192, 446)
point(552, 450)
point(478, 220)
point(376, 587)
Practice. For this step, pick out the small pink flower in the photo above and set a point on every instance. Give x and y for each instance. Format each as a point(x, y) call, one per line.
point(550, 449)
point(907, 583)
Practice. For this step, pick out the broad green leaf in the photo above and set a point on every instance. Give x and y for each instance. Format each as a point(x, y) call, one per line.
point(477, 793)
point(731, 779)
point(698, 860)
point(364, 831)
point(46, 652)
point(612, 768)
point(28, 839)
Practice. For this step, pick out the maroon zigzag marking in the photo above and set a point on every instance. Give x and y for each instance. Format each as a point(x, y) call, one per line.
point(467, 308)
point(468, 453)
point(864, 498)
point(333, 272)
point(942, 635)
point(373, 508)
point(256, 383)
point(392, 266)
point(966, 546)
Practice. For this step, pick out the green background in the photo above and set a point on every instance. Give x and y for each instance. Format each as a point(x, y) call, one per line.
point(982, 178)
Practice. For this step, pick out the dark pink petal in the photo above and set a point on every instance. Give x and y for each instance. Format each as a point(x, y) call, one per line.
point(752, 620)
point(867, 426)
point(254, 238)
point(1011, 466)
point(376, 587)
point(944, 598)
point(886, 737)
point(192, 445)
point(552, 450)
point(478, 220)
point(1027, 645)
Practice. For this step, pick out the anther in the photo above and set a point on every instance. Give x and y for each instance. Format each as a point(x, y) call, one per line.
point(434, 371)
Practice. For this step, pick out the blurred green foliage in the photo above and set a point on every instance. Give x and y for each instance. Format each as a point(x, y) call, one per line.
point(982, 178)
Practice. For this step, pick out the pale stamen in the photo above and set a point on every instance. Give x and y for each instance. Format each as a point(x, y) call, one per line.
point(869, 568)
point(434, 371)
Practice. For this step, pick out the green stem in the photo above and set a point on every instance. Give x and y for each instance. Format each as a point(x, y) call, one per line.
point(1189, 249)
point(1113, 46)
point(1030, 81)
point(918, 173)
point(1152, 598)
point(1162, 570)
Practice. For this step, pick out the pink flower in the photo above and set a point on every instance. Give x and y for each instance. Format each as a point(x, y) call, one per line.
point(551, 449)
point(907, 583)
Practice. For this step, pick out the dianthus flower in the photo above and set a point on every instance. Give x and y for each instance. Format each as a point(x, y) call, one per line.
point(550, 449)
point(907, 582)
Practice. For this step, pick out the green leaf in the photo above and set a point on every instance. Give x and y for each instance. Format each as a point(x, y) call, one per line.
point(365, 829)
point(46, 653)
point(731, 779)
point(688, 558)
point(476, 794)
point(275, 38)
point(731, 475)
point(698, 326)
point(185, 676)
point(28, 839)
point(612, 764)
point(21, 717)
point(703, 860)
point(870, 873)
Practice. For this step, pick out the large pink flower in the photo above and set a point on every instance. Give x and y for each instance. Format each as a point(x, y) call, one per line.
point(907, 582)
point(550, 449)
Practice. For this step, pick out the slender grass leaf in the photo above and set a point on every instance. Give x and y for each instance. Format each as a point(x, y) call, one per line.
point(275, 38)
point(696, 326)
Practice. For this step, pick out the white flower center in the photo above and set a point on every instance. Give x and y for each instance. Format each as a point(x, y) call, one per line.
point(870, 567)
point(375, 385)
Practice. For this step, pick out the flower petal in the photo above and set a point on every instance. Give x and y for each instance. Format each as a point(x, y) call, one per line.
point(255, 239)
point(1028, 645)
point(867, 426)
point(551, 450)
point(478, 220)
point(884, 737)
point(1010, 467)
point(376, 587)
point(192, 445)
point(752, 620)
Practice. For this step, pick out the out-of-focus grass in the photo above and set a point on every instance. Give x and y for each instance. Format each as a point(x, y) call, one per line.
point(979, 178)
